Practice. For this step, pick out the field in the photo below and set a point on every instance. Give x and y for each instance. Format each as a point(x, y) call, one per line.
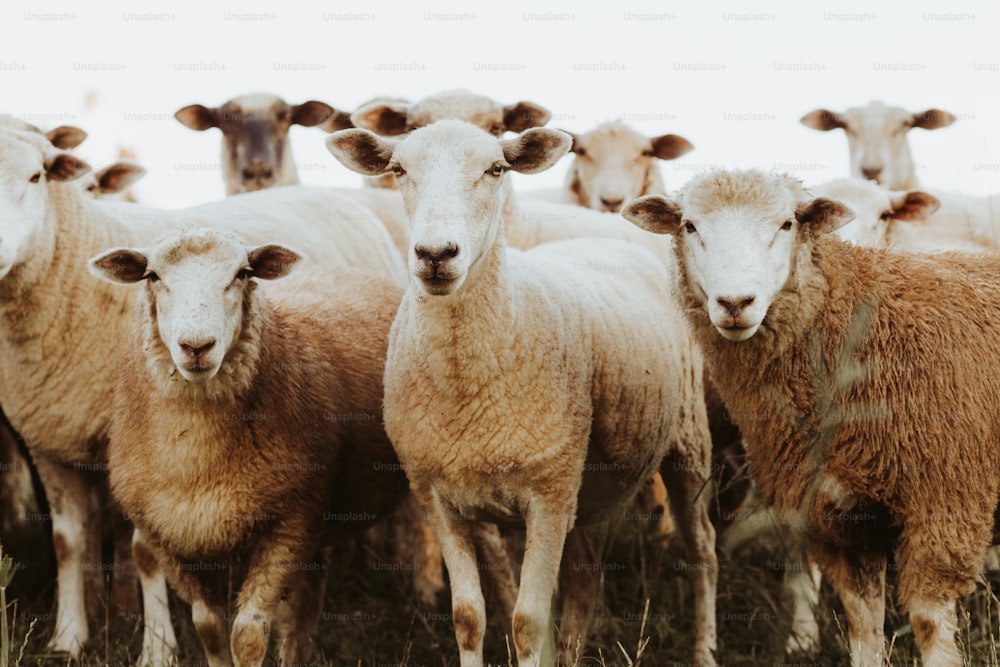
point(371, 618)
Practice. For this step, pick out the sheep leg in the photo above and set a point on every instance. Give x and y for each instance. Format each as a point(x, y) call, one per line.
point(456, 536)
point(684, 484)
point(298, 615)
point(70, 502)
point(159, 645)
point(498, 574)
point(124, 597)
point(801, 582)
point(934, 626)
point(654, 501)
point(208, 610)
point(276, 568)
point(859, 580)
point(579, 584)
point(545, 538)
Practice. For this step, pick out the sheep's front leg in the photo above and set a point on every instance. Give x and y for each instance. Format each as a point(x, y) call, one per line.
point(859, 581)
point(208, 611)
point(579, 584)
point(456, 536)
point(801, 582)
point(71, 500)
point(274, 571)
point(159, 645)
point(546, 526)
point(684, 484)
point(298, 615)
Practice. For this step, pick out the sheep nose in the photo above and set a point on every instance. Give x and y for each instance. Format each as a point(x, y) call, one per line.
point(871, 173)
point(735, 304)
point(258, 171)
point(435, 255)
point(197, 348)
point(612, 203)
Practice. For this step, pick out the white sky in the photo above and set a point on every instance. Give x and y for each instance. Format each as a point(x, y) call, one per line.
point(146, 59)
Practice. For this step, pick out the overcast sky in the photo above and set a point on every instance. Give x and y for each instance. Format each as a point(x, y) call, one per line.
point(732, 77)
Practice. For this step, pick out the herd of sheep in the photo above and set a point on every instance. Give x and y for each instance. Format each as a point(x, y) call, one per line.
point(437, 346)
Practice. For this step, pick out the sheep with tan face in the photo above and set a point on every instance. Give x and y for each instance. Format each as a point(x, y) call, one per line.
point(858, 358)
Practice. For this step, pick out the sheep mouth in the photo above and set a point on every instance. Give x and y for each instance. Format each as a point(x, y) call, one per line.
point(737, 332)
point(438, 285)
point(195, 372)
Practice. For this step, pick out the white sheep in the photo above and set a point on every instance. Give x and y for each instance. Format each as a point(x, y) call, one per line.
point(62, 327)
point(256, 151)
point(614, 163)
point(246, 421)
point(877, 139)
point(578, 337)
point(856, 377)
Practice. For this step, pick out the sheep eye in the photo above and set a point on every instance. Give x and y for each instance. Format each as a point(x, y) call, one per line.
point(497, 129)
point(689, 228)
point(885, 215)
point(242, 274)
point(497, 169)
point(647, 153)
point(152, 277)
point(787, 226)
point(580, 151)
point(37, 176)
point(397, 169)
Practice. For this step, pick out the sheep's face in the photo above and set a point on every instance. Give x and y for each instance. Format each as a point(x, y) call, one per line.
point(877, 138)
point(737, 237)
point(451, 177)
point(198, 286)
point(255, 153)
point(877, 211)
point(614, 164)
point(30, 164)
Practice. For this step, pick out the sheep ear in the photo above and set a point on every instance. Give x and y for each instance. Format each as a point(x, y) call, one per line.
point(66, 137)
point(932, 119)
point(654, 213)
point(120, 265)
point(311, 113)
point(119, 177)
point(823, 215)
point(65, 167)
point(913, 206)
point(823, 120)
point(271, 261)
point(670, 146)
point(339, 120)
point(535, 150)
point(523, 115)
point(198, 117)
point(387, 119)
point(362, 151)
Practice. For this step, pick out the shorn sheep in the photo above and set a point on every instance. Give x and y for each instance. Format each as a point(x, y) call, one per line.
point(63, 327)
point(855, 376)
point(613, 164)
point(256, 151)
point(487, 334)
point(877, 139)
point(248, 424)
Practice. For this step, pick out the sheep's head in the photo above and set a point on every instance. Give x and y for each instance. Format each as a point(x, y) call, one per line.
point(451, 176)
point(255, 152)
point(613, 164)
point(28, 166)
point(877, 211)
point(393, 117)
point(198, 285)
point(738, 236)
point(877, 138)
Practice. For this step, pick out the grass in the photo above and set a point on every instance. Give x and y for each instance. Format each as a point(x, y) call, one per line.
point(371, 619)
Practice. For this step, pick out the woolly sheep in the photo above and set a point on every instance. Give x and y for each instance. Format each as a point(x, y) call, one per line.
point(462, 393)
point(62, 326)
point(877, 139)
point(279, 397)
point(256, 152)
point(843, 367)
point(613, 164)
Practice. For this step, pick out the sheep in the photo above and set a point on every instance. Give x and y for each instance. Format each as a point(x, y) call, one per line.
point(843, 365)
point(278, 397)
point(462, 394)
point(62, 327)
point(876, 138)
point(256, 152)
point(614, 163)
